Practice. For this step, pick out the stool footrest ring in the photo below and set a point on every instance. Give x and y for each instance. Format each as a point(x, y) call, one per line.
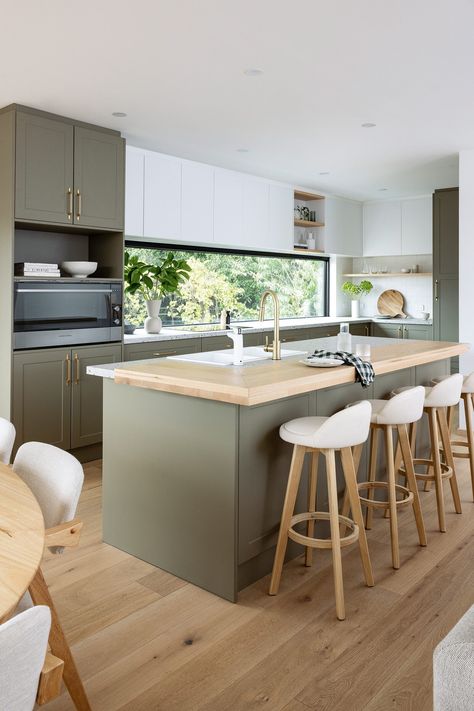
point(407, 494)
point(322, 542)
point(446, 471)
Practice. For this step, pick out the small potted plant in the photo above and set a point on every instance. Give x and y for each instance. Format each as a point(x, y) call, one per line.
point(356, 291)
point(153, 282)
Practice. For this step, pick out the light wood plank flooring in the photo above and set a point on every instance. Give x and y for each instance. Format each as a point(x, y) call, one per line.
point(145, 640)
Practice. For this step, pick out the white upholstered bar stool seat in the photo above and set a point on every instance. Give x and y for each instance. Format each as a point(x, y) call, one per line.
point(400, 411)
point(325, 435)
point(441, 396)
point(7, 440)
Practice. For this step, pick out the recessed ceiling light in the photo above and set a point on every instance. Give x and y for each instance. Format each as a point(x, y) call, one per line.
point(119, 114)
point(368, 125)
point(382, 190)
point(242, 150)
point(253, 72)
point(324, 172)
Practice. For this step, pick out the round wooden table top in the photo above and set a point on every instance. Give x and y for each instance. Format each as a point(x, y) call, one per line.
point(21, 539)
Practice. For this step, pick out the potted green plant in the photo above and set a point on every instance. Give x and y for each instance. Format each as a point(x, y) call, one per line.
point(153, 282)
point(356, 292)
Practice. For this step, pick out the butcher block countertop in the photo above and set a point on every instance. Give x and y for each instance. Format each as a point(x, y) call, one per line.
point(266, 381)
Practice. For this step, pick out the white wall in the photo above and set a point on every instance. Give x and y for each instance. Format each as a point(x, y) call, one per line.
point(339, 303)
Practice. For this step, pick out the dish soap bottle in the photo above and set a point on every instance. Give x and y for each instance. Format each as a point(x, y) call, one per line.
point(344, 339)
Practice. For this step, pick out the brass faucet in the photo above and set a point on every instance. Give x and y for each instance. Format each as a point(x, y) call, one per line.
point(274, 349)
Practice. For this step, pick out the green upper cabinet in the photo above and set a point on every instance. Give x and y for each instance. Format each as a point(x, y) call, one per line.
point(44, 169)
point(99, 179)
point(68, 174)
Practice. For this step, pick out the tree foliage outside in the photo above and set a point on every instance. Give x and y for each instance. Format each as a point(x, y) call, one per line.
point(234, 282)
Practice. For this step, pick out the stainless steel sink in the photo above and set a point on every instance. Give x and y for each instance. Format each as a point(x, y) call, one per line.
point(251, 355)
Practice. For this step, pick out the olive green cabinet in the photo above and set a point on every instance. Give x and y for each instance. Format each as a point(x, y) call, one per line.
point(161, 349)
point(446, 267)
point(68, 174)
point(360, 329)
point(220, 343)
point(382, 330)
point(409, 331)
point(54, 400)
point(418, 332)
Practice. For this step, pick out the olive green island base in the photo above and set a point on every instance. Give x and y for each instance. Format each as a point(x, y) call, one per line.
point(196, 486)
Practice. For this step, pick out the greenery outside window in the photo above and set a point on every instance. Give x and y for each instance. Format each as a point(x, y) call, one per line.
point(234, 280)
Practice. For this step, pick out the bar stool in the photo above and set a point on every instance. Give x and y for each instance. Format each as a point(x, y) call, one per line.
point(438, 398)
point(467, 395)
point(325, 435)
point(7, 439)
point(398, 412)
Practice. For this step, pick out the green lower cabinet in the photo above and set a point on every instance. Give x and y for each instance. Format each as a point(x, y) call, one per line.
point(161, 349)
point(382, 330)
point(420, 333)
point(360, 329)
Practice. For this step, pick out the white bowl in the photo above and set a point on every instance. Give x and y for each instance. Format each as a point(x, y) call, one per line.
point(80, 270)
point(423, 315)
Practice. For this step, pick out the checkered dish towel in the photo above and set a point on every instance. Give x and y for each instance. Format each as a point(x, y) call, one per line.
point(365, 374)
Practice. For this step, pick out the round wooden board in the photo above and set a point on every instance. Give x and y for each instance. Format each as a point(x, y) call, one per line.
point(390, 303)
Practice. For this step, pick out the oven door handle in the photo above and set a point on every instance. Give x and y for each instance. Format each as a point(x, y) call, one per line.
point(64, 291)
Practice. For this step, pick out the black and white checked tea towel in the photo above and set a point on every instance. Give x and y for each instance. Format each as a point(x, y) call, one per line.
point(365, 374)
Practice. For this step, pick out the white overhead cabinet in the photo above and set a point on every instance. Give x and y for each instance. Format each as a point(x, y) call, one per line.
point(256, 214)
point(417, 225)
point(396, 227)
point(228, 207)
point(280, 217)
point(162, 196)
point(343, 231)
point(134, 184)
point(197, 201)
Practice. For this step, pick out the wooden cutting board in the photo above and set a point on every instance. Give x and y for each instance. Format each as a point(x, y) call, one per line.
point(390, 303)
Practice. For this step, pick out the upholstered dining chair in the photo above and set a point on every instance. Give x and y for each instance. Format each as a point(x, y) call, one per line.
point(7, 439)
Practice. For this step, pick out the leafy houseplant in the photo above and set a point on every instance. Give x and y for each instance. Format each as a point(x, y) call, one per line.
point(356, 291)
point(153, 281)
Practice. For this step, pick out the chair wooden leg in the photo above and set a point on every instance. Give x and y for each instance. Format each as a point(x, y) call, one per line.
point(346, 507)
point(296, 467)
point(392, 496)
point(335, 537)
point(467, 398)
point(58, 643)
point(374, 434)
point(312, 501)
point(448, 453)
point(353, 494)
point(398, 463)
point(411, 481)
point(435, 456)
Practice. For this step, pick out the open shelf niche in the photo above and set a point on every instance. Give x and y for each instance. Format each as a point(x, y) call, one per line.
point(304, 228)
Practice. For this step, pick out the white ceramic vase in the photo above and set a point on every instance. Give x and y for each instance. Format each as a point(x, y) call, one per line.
point(153, 322)
point(355, 311)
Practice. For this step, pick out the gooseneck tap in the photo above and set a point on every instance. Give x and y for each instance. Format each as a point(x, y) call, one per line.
point(274, 349)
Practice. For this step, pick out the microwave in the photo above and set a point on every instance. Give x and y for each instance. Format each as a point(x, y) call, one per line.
point(56, 314)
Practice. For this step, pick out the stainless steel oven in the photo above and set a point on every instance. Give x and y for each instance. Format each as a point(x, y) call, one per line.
point(50, 313)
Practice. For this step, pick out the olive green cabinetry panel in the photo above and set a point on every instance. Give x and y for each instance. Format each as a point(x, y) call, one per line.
point(360, 329)
point(446, 267)
point(381, 330)
point(418, 332)
point(161, 349)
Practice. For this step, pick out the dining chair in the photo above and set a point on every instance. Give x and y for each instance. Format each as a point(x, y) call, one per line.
point(7, 439)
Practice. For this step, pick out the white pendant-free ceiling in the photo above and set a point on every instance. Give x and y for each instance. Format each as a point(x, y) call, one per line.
point(179, 70)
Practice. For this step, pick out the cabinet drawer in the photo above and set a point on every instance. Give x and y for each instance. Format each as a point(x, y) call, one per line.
point(383, 331)
point(421, 333)
point(161, 349)
point(360, 329)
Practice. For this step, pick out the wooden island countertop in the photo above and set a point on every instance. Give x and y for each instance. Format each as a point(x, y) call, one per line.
point(267, 381)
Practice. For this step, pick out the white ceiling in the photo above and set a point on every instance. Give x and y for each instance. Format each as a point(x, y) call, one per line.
point(176, 68)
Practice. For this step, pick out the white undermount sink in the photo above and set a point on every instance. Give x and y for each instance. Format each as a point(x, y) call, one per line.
point(251, 354)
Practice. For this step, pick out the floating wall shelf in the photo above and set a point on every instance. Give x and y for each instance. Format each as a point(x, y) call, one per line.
point(308, 223)
point(390, 274)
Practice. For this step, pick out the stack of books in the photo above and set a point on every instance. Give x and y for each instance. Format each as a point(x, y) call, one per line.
point(37, 269)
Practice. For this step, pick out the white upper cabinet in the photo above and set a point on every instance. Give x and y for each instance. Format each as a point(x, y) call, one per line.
point(280, 217)
point(343, 232)
point(228, 207)
point(255, 215)
point(417, 225)
point(197, 201)
point(134, 177)
point(382, 223)
point(162, 204)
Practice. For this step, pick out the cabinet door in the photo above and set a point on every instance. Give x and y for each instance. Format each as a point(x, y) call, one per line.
point(255, 233)
point(99, 179)
point(228, 207)
point(162, 211)
point(382, 331)
point(134, 199)
point(42, 396)
point(280, 217)
point(417, 226)
point(343, 233)
point(44, 169)
point(446, 234)
point(420, 333)
point(359, 329)
point(161, 349)
point(197, 202)
point(216, 343)
point(382, 228)
point(86, 409)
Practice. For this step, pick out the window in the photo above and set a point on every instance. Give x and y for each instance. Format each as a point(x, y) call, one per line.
point(235, 280)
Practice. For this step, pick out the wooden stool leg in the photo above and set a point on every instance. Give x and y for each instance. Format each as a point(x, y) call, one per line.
point(448, 453)
point(467, 398)
point(437, 468)
point(346, 507)
point(353, 494)
point(296, 467)
point(312, 500)
point(58, 643)
point(398, 461)
point(411, 481)
point(335, 537)
point(392, 496)
point(374, 434)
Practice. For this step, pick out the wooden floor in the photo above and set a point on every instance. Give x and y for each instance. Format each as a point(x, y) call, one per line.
point(144, 640)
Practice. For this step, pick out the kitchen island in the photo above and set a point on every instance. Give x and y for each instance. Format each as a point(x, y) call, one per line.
point(194, 469)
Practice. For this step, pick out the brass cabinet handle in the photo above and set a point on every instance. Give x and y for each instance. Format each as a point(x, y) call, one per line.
point(436, 285)
point(167, 353)
point(367, 330)
point(68, 370)
point(78, 204)
point(399, 330)
point(69, 204)
point(76, 368)
point(405, 331)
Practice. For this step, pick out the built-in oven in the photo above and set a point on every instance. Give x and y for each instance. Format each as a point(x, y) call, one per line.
point(61, 313)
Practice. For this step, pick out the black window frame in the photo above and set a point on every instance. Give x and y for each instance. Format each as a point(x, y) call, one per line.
point(173, 246)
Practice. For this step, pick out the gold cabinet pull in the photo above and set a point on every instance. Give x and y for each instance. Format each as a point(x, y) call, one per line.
point(68, 370)
point(167, 353)
point(78, 204)
point(76, 369)
point(399, 331)
point(367, 330)
point(69, 204)
point(436, 290)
